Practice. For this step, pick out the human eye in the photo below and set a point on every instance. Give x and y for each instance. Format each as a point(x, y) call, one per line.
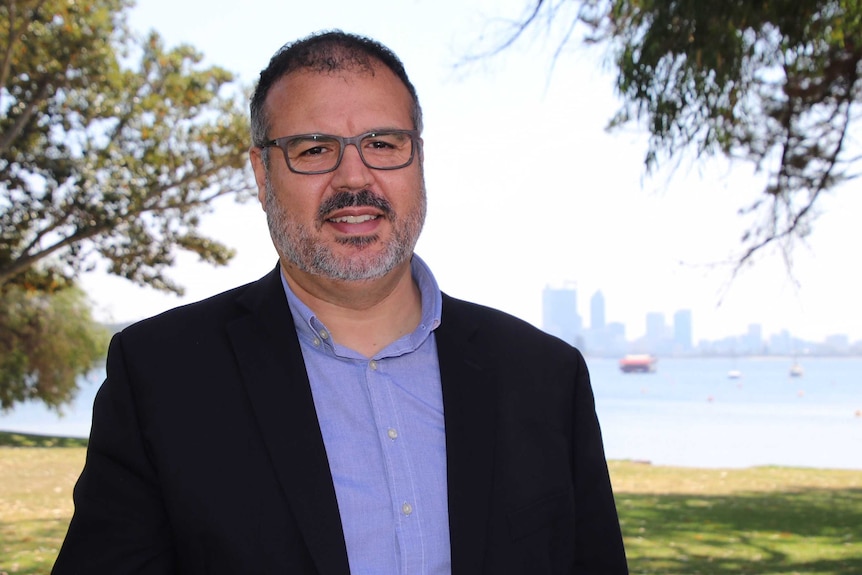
point(385, 141)
point(311, 147)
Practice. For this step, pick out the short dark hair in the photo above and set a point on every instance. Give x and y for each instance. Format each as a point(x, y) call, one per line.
point(325, 52)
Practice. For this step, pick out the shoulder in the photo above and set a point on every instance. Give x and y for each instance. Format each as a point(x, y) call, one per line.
point(500, 329)
point(208, 315)
point(206, 310)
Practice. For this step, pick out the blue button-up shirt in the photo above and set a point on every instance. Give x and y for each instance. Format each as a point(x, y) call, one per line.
point(382, 425)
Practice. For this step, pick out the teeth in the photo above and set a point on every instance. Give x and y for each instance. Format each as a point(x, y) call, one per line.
point(353, 219)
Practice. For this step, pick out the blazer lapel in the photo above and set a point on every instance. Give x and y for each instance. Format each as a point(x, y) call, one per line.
point(276, 382)
point(469, 404)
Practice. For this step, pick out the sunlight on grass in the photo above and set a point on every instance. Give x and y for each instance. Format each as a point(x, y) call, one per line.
point(35, 505)
point(762, 520)
point(676, 521)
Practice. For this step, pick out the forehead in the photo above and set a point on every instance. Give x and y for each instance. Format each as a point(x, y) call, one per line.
point(343, 102)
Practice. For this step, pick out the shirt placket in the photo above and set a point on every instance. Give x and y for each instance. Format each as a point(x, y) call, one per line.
point(395, 449)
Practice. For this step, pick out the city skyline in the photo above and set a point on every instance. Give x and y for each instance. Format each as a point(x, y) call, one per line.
point(561, 317)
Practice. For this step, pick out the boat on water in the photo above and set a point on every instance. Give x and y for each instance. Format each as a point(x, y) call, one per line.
point(734, 374)
point(638, 363)
point(796, 370)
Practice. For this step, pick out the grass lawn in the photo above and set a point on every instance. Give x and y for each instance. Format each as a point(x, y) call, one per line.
point(762, 520)
point(35, 500)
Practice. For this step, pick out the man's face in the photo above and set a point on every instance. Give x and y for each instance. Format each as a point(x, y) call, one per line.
point(355, 222)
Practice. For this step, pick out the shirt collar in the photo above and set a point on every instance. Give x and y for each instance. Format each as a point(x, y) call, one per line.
point(310, 329)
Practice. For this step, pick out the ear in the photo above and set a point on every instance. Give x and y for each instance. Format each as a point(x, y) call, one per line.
point(254, 155)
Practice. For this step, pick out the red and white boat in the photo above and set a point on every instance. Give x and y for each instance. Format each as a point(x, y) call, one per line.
point(638, 363)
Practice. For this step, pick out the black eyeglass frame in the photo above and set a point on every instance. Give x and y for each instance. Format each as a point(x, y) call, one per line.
point(281, 144)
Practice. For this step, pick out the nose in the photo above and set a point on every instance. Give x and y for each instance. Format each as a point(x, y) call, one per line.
point(352, 173)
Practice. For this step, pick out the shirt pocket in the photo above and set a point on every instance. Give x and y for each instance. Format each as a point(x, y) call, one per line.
point(541, 513)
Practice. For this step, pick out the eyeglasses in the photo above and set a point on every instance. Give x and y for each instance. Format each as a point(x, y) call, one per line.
point(322, 153)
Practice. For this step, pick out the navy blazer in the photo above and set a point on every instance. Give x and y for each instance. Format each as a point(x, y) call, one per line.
point(206, 457)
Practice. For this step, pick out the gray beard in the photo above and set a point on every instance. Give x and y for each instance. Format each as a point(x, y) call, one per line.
point(298, 245)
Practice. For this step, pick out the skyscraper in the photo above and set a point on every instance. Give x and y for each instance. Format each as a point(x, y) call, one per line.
point(560, 313)
point(682, 330)
point(597, 312)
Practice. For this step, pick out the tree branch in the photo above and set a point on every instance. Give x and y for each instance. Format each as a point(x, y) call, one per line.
point(24, 117)
point(25, 261)
point(822, 183)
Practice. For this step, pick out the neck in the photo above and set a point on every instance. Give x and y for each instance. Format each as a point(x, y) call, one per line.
point(366, 315)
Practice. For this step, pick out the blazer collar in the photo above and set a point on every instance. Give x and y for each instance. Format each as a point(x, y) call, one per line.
point(276, 382)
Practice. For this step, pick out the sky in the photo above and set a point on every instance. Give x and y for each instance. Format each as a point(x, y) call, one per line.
point(526, 188)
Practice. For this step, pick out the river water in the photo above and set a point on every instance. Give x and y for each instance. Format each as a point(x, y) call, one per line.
point(688, 413)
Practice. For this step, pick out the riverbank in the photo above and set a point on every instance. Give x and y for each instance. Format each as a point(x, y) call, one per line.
point(676, 520)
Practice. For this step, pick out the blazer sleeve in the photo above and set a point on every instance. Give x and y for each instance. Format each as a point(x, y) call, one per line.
point(600, 545)
point(120, 524)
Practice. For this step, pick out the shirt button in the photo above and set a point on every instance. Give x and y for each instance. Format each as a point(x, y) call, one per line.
point(323, 334)
point(373, 365)
point(406, 509)
point(393, 434)
point(316, 342)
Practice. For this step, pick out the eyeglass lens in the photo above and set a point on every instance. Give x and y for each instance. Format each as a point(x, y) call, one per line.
point(382, 150)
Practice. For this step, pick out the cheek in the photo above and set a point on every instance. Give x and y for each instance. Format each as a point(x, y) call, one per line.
point(300, 199)
point(301, 211)
point(407, 192)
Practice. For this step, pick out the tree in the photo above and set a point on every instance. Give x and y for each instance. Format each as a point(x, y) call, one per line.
point(46, 341)
point(773, 82)
point(112, 148)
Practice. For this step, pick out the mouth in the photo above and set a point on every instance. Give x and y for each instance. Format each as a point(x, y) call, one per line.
point(355, 214)
point(353, 219)
point(355, 222)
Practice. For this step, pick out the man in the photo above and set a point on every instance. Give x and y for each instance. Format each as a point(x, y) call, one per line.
point(341, 415)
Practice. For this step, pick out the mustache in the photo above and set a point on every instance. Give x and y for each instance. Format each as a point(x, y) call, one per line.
point(341, 200)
